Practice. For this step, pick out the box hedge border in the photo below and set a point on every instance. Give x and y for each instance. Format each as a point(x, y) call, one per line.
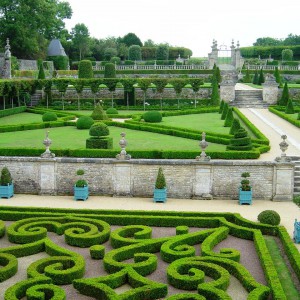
point(284, 116)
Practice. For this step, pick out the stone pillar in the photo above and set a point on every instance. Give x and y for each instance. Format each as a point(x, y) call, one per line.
point(122, 179)
point(213, 56)
point(227, 92)
point(283, 182)
point(203, 182)
point(270, 90)
point(47, 177)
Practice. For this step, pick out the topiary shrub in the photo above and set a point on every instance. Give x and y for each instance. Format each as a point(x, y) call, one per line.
point(152, 116)
point(49, 116)
point(84, 122)
point(99, 129)
point(98, 113)
point(85, 69)
point(290, 107)
point(112, 111)
point(235, 126)
point(229, 118)
point(5, 177)
point(109, 70)
point(241, 141)
point(270, 217)
point(99, 137)
point(160, 182)
point(225, 110)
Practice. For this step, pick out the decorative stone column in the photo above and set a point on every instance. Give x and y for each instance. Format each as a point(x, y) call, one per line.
point(6, 72)
point(270, 90)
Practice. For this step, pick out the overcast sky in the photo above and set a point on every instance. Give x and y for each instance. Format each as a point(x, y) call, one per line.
point(190, 23)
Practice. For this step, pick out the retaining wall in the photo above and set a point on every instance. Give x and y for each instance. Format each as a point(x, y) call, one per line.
point(218, 179)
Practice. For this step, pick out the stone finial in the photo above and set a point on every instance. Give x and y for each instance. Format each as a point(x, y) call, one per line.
point(238, 44)
point(203, 145)
point(47, 142)
point(123, 143)
point(283, 147)
point(7, 50)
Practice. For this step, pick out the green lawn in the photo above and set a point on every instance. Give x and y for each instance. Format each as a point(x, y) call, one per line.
point(203, 122)
point(72, 138)
point(21, 118)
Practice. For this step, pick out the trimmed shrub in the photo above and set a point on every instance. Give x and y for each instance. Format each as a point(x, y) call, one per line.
point(99, 129)
point(221, 106)
point(285, 96)
point(85, 69)
point(49, 116)
point(5, 178)
point(160, 182)
point(41, 74)
point(225, 110)
point(98, 113)
point(289, 108)
point(235, 126)
point(229, 118)
point(84, 122)
point(241, 141)
point(270, 217)
point(99, 143)
point(115, 60)
point(109, 70)
point(152, 116)
point(261, 78)
point(112, 111)
point(255, 78)
point(247, 77)
point(215, 94)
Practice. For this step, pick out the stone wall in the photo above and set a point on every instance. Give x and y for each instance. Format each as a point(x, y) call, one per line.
point(169, 93)
point(185, 179)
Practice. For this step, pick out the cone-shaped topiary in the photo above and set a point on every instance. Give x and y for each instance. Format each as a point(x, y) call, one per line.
point(247, 77)
point(285, 96)
point(235, 126)
point(229, 118)
point(255, 78)
point(261, 78)
point(277, 75)
point(221, 106)
point(290, 107)
point(241, 141)
point(98, 113)
point(225, 110)
point(160, 182)
point(215, 95)
point(5, 177)
point(41, 74)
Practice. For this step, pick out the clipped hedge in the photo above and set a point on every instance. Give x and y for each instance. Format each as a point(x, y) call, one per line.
point(285, 116)
point(12, 111)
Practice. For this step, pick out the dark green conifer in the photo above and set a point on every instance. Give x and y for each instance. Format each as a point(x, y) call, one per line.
point(229, 118)
point(285, 96)
point(221, 106)
point(261, 78)
point(290, 107)
point(235, 126)
point(224, 112)
point(255, 78)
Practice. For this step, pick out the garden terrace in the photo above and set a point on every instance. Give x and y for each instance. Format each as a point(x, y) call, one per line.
point(111, 254)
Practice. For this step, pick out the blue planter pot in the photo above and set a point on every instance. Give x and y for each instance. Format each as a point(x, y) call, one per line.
point(160, 195)
point(6, 191)
point(245, 197)
point(81, 193)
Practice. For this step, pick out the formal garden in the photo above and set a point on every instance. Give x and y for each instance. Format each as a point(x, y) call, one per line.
point(90, 254)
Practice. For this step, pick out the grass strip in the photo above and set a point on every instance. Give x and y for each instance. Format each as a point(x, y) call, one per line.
point(283, 272)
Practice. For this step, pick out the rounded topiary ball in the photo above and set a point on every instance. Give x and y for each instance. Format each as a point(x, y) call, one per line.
point(84, 122)
point(112, 111)
point(270, 217)
point(152, 116)
point(49, 116)
point(99, 129)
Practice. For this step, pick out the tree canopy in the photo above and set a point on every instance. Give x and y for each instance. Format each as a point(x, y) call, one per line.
point(31, 24)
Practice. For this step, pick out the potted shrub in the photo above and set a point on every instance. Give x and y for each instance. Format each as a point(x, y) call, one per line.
point(245, 190)
point(6, 184)
point(81, 188)
point(160, 191)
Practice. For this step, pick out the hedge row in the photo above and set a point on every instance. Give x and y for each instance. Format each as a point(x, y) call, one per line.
point(285, 116)
point(12, 111)
point(102, 287)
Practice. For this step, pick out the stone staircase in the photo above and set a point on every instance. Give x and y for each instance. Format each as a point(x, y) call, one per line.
point(249, 98)
point(35, 98)
point(296, 160)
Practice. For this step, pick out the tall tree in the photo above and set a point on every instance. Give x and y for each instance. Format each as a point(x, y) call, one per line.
point(162, 52)
point(31, 24)
point(131, 39)
point(267, 41)
point(80, 37)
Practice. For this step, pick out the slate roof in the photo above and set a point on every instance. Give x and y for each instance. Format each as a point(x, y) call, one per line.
point(55, 48)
